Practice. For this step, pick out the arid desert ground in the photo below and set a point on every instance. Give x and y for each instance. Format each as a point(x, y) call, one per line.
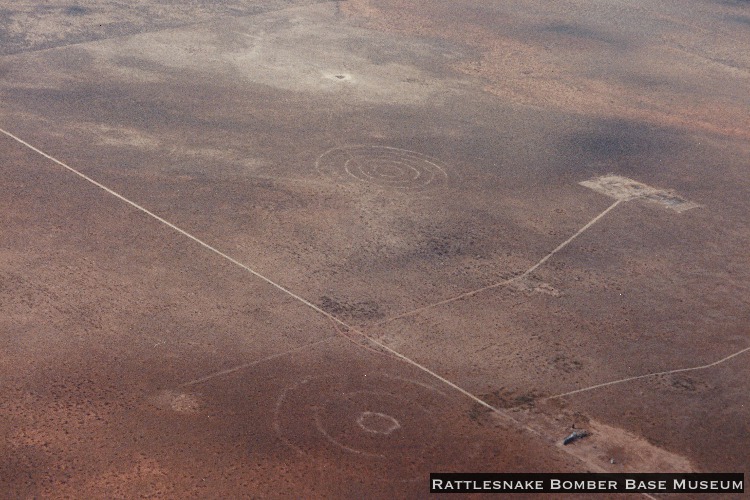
point(320, 249)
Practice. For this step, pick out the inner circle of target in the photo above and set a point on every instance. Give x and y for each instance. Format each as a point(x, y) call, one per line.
point(383, 166)
point(386, 170)
point(377, 423)
point(343, 421)
point(382, 170)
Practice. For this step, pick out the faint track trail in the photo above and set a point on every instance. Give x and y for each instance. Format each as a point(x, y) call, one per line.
point(510, 280)
point(647, 375)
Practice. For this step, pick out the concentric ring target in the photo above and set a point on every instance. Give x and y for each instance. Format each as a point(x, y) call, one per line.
point(383, 166)
point(379, 423)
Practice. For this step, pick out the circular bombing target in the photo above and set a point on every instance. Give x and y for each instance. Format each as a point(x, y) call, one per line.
point(381, 424)
point(387, 167)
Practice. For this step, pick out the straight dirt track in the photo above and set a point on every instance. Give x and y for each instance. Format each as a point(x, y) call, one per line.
point(326, 248)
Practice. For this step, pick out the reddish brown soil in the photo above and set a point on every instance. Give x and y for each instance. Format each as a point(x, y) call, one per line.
point(378, 159)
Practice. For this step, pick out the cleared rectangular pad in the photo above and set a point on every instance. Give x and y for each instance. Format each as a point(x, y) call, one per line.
point(623, 188)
